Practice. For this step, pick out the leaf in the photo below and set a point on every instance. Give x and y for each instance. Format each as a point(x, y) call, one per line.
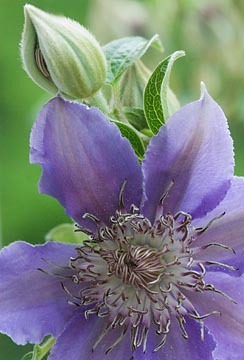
point(130, 133)
point(39, 351)
point(65, 233)
point(165, 90)
point(136, 117)
point(28, 356)
point(124, 52)
point(156, 105)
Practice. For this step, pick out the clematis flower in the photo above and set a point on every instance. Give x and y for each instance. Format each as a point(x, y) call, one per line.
point(161, 273)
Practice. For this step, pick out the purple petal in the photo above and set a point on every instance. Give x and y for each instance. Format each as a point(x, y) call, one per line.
point(177, 347)
point(195, 151)
point(32, 304)
point(81, 335)
point(228, 230)
point(85, 160)
point(227, 328)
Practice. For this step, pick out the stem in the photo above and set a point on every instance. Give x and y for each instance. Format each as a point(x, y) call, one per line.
point(41, 350)
point(99, 101)
point(117, 105)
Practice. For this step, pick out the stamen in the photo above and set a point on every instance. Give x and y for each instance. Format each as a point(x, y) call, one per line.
point(83, 229)
point(92, 217)
point(137, 311)
point(201, 230)
point(168, 290)
point(41, 63)
point(202, 317)
point(212, 288)
point(49, 273)
point(165, 194)
point(49, 262)
point(229, 267)
point(134, 274)
point(105, 331)
point(117, 341)
point(68, 292)
point(220, 245)
point(121, 200)
point(161, 343)
point(182, 321)
point(202, 269)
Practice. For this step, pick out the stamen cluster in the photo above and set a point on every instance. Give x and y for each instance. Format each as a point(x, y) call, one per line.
point(135, 273)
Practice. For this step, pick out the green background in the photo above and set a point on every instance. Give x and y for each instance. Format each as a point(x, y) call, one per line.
point(211, 33)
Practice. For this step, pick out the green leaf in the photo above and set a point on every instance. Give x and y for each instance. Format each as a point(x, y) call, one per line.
point(65, 233)
point(136, 117)
point(124, 52)
point(130, 133)
point(165, 90)
point(39, 351)
point(147, 132)
point(156, 106)
point(28, 356)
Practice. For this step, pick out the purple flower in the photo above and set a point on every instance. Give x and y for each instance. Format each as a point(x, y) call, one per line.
point(160, 276)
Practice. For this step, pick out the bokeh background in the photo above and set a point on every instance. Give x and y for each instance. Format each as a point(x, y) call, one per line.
point(212, 34)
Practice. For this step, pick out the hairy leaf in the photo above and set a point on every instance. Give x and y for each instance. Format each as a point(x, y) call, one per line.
point(156, 105)
point(130, 133)
point(124, 52)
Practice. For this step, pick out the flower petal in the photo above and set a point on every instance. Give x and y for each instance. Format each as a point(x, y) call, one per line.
point(81, 335)
point(177, 347)
point(195, 151)
point(228, 328)
point(32, 304)
point(85, 160)
point(228, 230)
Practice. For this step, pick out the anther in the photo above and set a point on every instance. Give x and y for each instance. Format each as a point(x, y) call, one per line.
point(121, 200)
point(201, 230)
point(165, 194)
point(41, 63)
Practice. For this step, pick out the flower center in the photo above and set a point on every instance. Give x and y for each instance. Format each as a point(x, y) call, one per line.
point(139, 266)
point(140, 275)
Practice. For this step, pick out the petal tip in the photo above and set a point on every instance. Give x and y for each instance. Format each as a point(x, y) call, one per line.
point(204, 91)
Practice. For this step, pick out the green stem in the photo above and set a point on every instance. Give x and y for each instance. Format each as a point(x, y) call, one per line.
point(43, 349)
point(99, 101)
point(117, 108)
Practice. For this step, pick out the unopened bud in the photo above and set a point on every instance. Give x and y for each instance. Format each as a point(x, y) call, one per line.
point(60, 55)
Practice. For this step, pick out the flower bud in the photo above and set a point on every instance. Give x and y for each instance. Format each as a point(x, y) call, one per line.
point(132, 84)
point(60, 55)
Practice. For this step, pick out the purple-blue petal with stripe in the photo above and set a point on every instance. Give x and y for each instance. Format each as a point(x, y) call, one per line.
point(177, 347)
point(228, 327)
point(195, 152)
point(85, 160)
point(81, 335)
point(32, 303)
point(227, 230)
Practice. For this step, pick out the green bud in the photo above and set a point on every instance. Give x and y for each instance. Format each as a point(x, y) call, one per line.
point(60, 55)
point(132, 84)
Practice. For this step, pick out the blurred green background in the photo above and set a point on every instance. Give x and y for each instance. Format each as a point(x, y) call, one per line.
point(212, 34)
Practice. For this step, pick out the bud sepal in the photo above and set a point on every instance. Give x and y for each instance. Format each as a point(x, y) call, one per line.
point(61, 56)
